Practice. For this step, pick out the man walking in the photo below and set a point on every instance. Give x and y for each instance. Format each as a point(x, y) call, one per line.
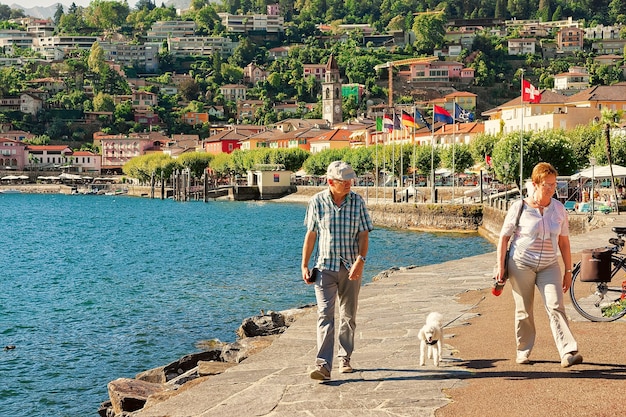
point(338, 221)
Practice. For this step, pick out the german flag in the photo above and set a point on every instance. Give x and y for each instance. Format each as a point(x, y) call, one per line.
point(408, 120)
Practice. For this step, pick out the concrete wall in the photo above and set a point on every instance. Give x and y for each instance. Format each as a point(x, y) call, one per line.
point(441, 217)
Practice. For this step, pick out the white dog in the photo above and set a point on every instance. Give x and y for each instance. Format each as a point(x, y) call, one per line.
point(430, 338)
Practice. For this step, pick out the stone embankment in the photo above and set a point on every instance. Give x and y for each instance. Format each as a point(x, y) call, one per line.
point(408, 215)
point(127, 395)
point(38, 188)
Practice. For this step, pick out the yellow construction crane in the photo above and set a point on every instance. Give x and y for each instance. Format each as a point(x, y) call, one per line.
point(391, 64)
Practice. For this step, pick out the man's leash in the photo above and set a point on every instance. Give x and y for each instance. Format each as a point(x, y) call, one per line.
point(460, 315)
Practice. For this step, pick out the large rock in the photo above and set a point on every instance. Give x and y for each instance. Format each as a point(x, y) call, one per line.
point(264, 325)
point(129, 395)
point(174, 369)
point(189, 362)
point(244, 348)
point(207, 368)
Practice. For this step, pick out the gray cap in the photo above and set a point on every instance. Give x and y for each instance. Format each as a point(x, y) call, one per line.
point(339, 170)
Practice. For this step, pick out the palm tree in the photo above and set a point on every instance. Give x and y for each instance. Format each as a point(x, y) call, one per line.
point(610, 119)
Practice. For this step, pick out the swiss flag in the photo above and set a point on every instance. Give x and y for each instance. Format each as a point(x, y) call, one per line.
point(529, 93)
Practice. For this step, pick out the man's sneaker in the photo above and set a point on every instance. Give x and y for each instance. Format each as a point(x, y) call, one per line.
point(320, 373)
point(570, 359)
point(345, 367)
point(522, 359)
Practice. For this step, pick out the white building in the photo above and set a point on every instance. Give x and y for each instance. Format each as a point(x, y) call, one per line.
point(603, 32)
point(142, 56)
point(10, 39)
point(53, 46)
point(522, 46)
point(162, 30)
point(253, 22)
point(553, 112)
point(576, 78)
point(201, 46)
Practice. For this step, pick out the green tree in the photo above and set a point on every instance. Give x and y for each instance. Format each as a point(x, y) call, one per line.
point(363, 160)
point(424, 155)
point(103, 102)
point(462, 157)
point(38, 140)
point(583, 139)
point(601, 74)
point(58, 14)
point(429, 31)
point(231, 74)
point(189, 89)
point(95, 61)
point(482, 146)
point(123, 111)
point(144, 167)
point(105, 14)
point(317, 163)
point(197, 162)
point(244, 53)
point(221, 165)
point(548, 146)
point(617, 11)
point(208, 21)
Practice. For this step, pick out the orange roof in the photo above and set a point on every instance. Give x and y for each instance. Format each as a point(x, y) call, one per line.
point(335, 135)
point(48, 147)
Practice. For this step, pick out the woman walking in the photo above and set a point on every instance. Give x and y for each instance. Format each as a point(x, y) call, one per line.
point(540, 236)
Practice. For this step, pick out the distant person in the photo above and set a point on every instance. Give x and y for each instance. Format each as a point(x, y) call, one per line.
point(338, 221)
point(542, 234)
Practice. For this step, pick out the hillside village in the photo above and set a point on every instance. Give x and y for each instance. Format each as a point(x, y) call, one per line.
point(344, 115)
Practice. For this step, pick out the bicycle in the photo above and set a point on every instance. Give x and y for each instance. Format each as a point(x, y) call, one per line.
point(603, 301)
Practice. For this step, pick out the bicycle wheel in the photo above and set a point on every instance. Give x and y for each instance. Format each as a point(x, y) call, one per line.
point(600, 301)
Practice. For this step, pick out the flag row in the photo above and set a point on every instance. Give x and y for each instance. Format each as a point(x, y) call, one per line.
point(406, 120)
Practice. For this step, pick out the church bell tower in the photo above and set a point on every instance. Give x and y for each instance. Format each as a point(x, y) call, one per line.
point(331, 93)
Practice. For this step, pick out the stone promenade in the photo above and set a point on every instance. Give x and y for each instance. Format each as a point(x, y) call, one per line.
point(388, 380)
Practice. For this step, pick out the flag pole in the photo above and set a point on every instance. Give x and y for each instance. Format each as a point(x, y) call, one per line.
point(521, 142)
point(432, 159)
point(454, 128)
point(394, 134)
point(414, 149)
point(402, 155)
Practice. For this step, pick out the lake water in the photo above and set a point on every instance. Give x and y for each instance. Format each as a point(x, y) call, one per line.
point(93, 288)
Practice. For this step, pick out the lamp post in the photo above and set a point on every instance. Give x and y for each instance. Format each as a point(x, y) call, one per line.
point(592, 162)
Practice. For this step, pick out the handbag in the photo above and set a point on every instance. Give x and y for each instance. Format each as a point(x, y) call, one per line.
point(508, 248)
point(595, 265)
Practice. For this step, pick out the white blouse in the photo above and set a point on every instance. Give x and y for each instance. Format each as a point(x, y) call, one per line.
point(535, 242)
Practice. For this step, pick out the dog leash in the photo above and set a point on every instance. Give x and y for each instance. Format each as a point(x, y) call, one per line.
point(462, 314)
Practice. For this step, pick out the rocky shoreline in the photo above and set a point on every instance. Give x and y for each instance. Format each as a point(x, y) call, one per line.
point(127, 395)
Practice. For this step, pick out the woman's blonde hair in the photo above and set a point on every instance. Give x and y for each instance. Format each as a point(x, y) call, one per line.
point(541, 171)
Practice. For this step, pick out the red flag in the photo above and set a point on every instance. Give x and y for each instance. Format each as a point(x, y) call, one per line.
point(529, 93)
point(488, 160)
point(442, 115)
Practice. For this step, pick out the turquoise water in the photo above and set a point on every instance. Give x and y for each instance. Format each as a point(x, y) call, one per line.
point(93, 288)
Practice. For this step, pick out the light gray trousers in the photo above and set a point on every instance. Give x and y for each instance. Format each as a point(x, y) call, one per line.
point(549, 281)
point(329, 287)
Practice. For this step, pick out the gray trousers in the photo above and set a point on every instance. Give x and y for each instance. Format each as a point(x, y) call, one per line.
point(329, 287)
point(549, 281)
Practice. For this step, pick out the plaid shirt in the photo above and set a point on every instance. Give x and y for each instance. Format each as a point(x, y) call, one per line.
point(337, 228)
